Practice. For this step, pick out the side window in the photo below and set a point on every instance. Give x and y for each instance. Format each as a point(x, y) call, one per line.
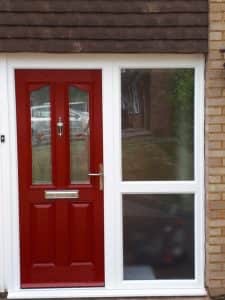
point(157, 113)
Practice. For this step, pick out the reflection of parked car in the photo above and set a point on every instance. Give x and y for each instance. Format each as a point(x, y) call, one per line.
point(79, 106)
point(78, 122)
point(40, 123)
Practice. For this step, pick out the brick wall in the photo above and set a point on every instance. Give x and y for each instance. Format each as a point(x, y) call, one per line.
point(215, 151)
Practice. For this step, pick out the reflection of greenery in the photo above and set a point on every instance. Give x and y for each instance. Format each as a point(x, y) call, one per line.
point(166, 154)
point(41, 162)
point(40, 96)
point(77, 95)
point(79, 152)
point(182, 99)
point(147, 158)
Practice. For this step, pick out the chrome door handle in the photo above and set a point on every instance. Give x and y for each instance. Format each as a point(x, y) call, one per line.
point(95, 174)
point(100, 175)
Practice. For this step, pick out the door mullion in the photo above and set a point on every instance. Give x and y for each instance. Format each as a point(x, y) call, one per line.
point(67, 133)
point(61, 148)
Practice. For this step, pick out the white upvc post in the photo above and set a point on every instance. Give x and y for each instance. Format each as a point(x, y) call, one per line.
point(3, 169)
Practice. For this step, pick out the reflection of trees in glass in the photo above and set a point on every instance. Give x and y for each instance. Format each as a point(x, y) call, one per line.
point(40, 96)
point(182, 99)
point(132, 85)
point(78, 99)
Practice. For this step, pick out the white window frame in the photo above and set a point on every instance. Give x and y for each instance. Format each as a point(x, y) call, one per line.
point(113, 186)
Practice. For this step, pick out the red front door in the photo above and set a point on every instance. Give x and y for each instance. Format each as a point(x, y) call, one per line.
point(59, 123)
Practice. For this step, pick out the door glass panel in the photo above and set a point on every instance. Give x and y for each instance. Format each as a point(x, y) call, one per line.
point(158, 236)
point(41, 135)
point(157, 124)
point(79, 135)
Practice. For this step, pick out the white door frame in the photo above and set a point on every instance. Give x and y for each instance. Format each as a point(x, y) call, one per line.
point(9, 217)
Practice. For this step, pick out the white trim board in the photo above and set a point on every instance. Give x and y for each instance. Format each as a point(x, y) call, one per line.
point(113, 187)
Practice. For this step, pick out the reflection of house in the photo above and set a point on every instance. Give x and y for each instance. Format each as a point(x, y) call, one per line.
point(142, 106)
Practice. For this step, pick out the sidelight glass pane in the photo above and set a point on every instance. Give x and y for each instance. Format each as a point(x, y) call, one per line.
point(79, 135)
point(41, 135)
point(157, 124)
point(158, 236)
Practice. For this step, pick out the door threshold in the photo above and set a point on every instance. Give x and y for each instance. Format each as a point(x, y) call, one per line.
point(101, 292)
